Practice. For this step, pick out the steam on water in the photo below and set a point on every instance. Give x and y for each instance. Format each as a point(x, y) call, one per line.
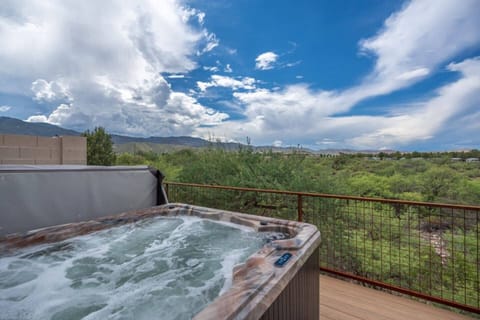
point(161, 268)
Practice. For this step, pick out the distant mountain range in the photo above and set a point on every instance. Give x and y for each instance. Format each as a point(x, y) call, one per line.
point(157, 144)
point(16, 126)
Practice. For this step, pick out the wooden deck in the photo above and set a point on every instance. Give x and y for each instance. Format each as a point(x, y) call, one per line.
point(341, 300)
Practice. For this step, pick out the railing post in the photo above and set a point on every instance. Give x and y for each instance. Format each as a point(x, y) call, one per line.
point(299, 208)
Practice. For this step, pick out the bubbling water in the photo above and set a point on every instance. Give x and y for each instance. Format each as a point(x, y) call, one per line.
point(160, 268)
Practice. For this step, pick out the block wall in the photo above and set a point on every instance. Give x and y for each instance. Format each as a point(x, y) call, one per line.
point(21, 149)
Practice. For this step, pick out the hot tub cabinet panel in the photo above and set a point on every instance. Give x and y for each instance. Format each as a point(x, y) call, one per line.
point(260, 289)
point(300, 298)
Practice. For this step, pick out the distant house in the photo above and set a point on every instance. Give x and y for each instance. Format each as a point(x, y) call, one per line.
point(328, 155)
point(472, 160)
point(457, 159)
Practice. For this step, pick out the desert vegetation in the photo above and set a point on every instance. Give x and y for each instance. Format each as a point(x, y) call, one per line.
point(432, 179)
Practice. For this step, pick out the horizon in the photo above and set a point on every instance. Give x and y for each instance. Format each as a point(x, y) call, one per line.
point(300, 147)
point(373, 75)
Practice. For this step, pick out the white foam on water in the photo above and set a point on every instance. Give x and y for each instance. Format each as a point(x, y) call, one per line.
point(160, 268)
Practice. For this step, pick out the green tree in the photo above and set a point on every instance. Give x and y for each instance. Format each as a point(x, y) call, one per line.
point(99, 147)
point(439, 182)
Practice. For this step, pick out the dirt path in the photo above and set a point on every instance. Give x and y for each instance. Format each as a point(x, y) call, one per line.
point(440, 246)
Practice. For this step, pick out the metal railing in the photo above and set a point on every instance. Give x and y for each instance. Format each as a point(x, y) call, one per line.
point(426, 250)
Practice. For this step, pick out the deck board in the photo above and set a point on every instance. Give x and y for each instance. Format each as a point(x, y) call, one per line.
point(342, 300)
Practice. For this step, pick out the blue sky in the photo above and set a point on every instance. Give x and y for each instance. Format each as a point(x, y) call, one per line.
point(367, 74)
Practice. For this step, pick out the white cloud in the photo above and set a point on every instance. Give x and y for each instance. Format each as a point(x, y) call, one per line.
point(179, 114)
point(416, 39)
point(211, 42)
point(50, 91)
point(189, 13)
point(100, 62)
point(246, 83)
point(203, 86)
point(176, 76)
point(231, 51)
point(266, 60)
point(413, 43)
point(68, 39)
point(456, 99)
point(218, 66)
point(201, 17)
point(416, 73)
point(326, 142)
point(277, 143)
point(101, 65)
point(37, 118)
point(5, 108)
point(295, 106)
point(269, 60)
point(298, 114)
point(291, 64)
point(211, 68)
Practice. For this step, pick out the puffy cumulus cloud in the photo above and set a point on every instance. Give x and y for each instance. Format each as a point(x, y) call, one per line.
point(294, 107)
point(294, 114)
point(246, 83)
point(266, 60)
point(100, 62)
point(64, 115)
point(50, 91)
point(153, 109)
point(5, 108)
point(37, 118)
point(51, 39)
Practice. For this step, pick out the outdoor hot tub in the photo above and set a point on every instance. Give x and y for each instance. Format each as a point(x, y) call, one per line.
point(173, 261)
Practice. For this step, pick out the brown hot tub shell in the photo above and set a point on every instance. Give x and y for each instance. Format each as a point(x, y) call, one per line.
point(260, 290)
